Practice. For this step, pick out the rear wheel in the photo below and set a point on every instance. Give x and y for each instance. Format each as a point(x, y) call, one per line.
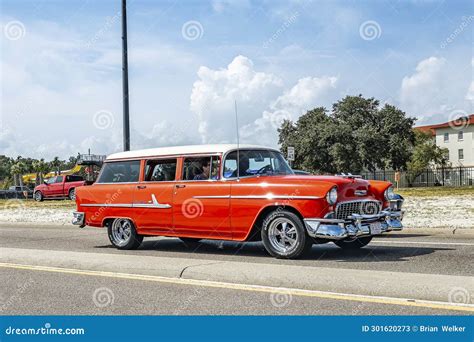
point(38, 196)
point(354, 243)
point(284, 235)
point(123, 235)
point(72, 194)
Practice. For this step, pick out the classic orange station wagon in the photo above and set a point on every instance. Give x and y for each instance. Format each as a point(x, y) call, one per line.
point(222, 192)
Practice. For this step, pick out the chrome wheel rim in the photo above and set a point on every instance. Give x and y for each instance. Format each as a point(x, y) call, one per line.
point(121, 232)
point(38, 196)
point(283, 235)
point(72, 195)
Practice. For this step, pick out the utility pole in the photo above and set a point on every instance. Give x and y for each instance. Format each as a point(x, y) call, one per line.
point(126, 116)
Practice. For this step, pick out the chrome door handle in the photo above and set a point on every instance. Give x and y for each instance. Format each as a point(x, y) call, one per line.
point(141, 186)
point(180, 186)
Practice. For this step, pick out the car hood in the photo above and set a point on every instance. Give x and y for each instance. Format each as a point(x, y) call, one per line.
point(348, 188)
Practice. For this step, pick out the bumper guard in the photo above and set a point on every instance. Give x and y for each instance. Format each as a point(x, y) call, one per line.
point(78, 219)
point(355, 226)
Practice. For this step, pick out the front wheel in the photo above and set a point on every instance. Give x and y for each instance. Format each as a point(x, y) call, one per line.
point(284, 235)
point(123, 235)
point(355, 243)
point(38, 196)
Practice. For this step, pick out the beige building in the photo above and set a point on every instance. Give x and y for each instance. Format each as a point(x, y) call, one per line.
point(457, 137)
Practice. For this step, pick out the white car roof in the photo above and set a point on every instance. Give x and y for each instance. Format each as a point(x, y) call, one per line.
point(183, 150)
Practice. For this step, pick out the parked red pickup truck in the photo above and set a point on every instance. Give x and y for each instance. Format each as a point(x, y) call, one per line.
point(62, 186)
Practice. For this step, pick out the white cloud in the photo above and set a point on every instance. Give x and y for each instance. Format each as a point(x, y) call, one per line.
point(308, 93)
point(421, 93)
point(213, 96)
point(434, 91)
point(261, 104)
point(470, 91)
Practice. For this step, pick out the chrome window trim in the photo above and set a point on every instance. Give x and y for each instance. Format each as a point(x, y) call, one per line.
point(164, 156)
point(224, 156)
point(115, 161)
point(159, 158)
point(201, 180)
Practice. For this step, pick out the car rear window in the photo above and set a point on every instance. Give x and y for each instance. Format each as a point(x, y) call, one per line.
point(120, 172)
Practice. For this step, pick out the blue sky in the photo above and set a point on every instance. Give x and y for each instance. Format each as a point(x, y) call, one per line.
point(189, 61)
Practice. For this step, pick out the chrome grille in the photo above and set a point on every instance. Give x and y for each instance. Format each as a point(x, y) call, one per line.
point(345, 209)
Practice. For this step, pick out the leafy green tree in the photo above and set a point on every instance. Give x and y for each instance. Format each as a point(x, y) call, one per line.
point(425, 154)
point(356, 135)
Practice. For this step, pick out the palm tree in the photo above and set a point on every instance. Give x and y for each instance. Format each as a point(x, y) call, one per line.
point(40, 167)
point(17, 170)
point(55, 163)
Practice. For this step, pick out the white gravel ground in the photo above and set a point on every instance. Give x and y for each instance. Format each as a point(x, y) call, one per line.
point(439, 212)
point(420, 212)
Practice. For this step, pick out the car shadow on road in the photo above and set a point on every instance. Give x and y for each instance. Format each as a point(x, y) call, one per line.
point(397, 236)
point(230, 251)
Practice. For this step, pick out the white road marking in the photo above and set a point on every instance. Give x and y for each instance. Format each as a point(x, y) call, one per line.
point(402, 242)
point(253, 288)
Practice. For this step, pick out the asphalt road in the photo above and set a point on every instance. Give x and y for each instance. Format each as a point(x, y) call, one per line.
point(66, 270)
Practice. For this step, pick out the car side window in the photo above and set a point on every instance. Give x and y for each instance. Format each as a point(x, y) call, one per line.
point(120, 172)
point(201, 168)
point(51, 180)
point(59, 179)
point(160, 170)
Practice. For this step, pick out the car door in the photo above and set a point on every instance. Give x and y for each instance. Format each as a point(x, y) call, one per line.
point(50, 187)
point(153, 199)
point(201, 200)
point(57, 187)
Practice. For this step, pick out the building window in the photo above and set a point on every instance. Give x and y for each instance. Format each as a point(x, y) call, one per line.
point(446, 137)
point(460, 154)
point(460, 136)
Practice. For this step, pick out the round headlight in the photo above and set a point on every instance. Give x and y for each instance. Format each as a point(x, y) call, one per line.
point(389, 194)
point(331, 196)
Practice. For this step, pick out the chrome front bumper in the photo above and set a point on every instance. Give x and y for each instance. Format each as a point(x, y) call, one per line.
point(355, 226)
point(78, 219)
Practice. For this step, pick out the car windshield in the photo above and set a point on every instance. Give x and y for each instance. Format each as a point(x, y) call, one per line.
point(255, 162)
